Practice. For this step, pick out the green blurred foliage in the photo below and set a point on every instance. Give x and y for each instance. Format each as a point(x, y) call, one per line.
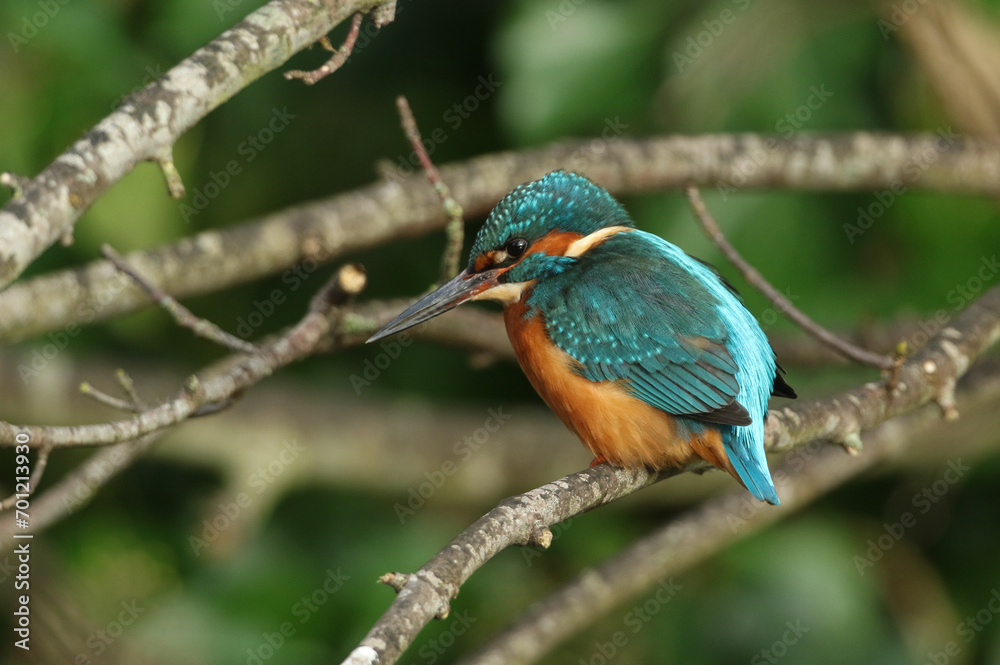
point(565, 68)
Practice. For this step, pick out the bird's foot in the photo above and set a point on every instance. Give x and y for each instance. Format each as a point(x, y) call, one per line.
point(598, 460)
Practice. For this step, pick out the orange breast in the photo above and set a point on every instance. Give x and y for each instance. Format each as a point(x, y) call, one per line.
point(611, 423)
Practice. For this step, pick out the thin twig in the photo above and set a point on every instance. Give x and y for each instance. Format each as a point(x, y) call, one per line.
point(455, 229)
point(125, 381)
point(78, 487)
point(346, 283)
point(73, 490)
point(36, 475)
point(839, 344)
point(181, 314)
point(340, 55)
point(114, 402)
point(134, 436)
point(15, 182)
point(202, 396)
point(175, 184)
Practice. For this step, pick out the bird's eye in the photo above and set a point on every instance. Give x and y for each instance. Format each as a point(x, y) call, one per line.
point(516, 247)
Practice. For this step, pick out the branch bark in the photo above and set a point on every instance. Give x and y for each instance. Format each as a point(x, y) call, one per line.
point(201, 397)
point(930, 375)
point(147, 124)
point(75, 490)
point(688, 540)
point(134, 436)
point(327, 229)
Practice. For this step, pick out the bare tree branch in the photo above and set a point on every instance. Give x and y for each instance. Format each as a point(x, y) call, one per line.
point(471, 328)
point(325, 230)
point(688, 540)
point(455, 228)
point(108, 400)
point(181, 314)
point(148, 123)
point(930, 374)
point(200, 397)
point(843, 346)
point(340, 55)
point(75, 489)
point(128, 386)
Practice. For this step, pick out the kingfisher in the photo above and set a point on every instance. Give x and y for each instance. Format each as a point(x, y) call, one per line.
point(647, 354)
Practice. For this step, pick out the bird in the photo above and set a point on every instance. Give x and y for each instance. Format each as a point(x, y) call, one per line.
point(647, 354)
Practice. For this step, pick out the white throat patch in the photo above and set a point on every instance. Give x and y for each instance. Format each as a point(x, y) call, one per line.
point(505, 293)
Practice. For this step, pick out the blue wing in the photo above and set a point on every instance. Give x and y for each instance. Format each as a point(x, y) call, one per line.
point(630, 311)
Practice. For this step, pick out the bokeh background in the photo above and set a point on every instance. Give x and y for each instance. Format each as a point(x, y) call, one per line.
point(314, 477)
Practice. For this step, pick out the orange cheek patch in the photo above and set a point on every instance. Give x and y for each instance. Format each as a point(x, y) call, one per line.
point(554, 243)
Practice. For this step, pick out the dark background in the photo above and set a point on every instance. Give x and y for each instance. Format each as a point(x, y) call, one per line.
point(560, 69)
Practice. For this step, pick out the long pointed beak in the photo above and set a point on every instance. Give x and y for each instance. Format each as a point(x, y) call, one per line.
point(448, 296)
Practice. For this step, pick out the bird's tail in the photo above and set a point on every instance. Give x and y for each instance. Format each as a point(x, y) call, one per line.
point(751, 469)
point(745, 462)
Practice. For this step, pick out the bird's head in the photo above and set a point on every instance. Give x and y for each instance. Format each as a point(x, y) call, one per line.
point(538, 229)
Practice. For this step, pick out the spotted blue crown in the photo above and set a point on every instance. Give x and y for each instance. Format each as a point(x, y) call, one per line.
point(559, 201)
